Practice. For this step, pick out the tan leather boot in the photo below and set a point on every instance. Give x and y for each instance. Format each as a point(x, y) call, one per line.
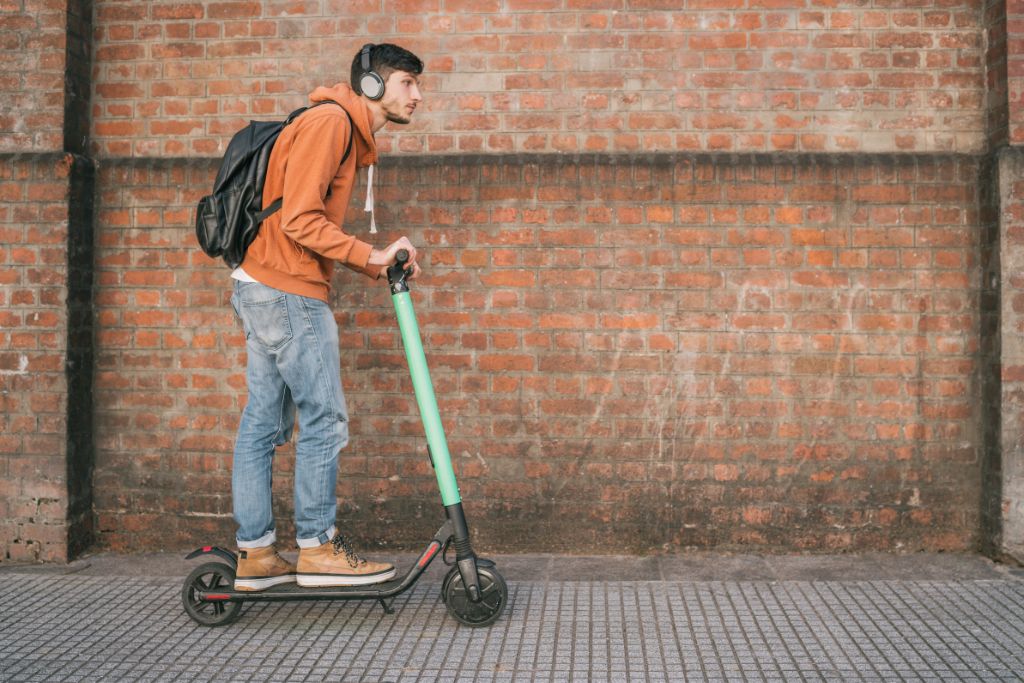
point(261, 568)
point(335, 563)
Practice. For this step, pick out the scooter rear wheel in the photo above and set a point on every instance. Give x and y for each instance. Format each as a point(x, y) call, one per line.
point(211, 576)
point(493, 597)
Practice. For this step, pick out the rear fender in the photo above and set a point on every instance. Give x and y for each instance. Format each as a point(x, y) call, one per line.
point(223, 554)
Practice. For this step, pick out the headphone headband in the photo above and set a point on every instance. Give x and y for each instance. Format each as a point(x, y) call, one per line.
point(364, 57)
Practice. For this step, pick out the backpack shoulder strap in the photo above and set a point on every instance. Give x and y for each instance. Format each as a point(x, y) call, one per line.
point(276, 204)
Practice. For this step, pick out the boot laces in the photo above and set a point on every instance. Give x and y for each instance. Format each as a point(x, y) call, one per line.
point(342, 545)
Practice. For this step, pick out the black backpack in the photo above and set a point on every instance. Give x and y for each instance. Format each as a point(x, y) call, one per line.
point(228, 220)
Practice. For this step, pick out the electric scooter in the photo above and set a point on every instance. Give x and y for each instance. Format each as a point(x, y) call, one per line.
point(473, 591)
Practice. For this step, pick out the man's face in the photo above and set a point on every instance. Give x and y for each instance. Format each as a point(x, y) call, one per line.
point(401, 95)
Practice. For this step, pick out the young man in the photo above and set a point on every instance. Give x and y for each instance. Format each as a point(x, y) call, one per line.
point(291, 336)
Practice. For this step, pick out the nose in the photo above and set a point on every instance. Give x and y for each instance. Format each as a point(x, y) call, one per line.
point(416, 96)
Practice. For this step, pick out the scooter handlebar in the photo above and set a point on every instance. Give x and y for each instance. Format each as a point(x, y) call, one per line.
point(397, 273)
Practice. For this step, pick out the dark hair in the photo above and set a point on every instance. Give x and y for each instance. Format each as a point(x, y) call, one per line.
point(385, 59)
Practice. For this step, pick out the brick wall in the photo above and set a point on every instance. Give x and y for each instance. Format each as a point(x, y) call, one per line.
point(729, 274)
point(32, 46)
point(175, 78)
point(1009, 484)
point(996, 81)
point(33, 339)
point(628, 352)
point(46, 207)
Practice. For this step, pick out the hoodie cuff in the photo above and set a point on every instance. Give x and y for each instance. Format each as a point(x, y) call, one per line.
point(359, 255)
point(359, 258)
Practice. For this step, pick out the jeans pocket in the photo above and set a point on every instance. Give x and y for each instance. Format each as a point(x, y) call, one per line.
point(267, 322)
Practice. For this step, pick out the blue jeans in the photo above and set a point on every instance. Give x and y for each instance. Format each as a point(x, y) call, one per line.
point(293, 362)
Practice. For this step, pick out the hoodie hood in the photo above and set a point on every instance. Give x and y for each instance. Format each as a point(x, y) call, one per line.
point(343, 94)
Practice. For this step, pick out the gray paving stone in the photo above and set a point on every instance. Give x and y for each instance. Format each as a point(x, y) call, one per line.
point(764, 619)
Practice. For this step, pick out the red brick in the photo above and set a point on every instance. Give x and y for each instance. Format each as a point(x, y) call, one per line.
point(233, 10)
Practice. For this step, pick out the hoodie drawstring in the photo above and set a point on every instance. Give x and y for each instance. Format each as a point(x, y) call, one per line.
point(369, 200)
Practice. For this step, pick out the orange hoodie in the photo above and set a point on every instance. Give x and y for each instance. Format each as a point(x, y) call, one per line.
point(296, 247)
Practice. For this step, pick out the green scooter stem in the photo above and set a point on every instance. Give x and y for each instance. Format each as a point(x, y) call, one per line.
point(436, 440)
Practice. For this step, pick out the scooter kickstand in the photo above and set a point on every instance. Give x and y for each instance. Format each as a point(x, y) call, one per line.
point(388, 609)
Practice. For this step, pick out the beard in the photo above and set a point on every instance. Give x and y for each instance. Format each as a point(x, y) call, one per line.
point(397, 118)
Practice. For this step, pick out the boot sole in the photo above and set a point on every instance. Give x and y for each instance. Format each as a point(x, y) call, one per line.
point(330, 580)
point(262, 583)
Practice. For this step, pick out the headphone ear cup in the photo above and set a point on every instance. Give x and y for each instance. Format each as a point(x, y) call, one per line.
point(371, 85)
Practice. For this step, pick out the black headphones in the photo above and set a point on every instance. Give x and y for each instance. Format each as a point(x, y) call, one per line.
point(370, 82)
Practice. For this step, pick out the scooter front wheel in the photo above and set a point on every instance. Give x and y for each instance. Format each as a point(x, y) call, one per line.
point(212, 576)
point(493, 597)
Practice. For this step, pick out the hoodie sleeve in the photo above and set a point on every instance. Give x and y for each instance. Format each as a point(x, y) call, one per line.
point(312, 164)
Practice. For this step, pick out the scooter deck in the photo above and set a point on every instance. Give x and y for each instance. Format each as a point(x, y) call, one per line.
point(291, 591)
point(296, 589)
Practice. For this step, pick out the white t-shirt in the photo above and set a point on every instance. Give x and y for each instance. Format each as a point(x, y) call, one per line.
point(239, 274)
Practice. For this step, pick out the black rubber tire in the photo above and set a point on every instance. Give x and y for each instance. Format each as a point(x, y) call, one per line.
point(494, 597)
point(207, 577)
point(454, 571)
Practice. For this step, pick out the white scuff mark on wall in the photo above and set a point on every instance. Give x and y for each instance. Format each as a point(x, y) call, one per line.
point(22, 367)
point(915, 498)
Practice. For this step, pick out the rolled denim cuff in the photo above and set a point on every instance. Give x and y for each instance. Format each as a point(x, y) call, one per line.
point(318, 540)
point(267, 539)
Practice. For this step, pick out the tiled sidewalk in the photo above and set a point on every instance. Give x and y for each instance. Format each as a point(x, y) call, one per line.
point(741, 618)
